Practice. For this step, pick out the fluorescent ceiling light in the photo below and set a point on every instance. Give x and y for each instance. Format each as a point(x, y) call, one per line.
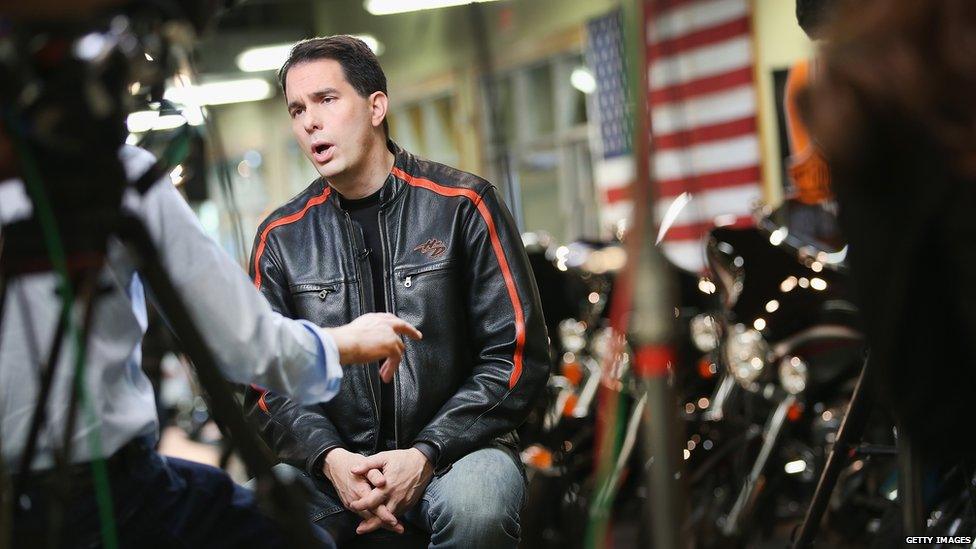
point(221, 93)
point(372, 42)
point(387, 7)
point(143, 121)
point(271, 58)
point(264, 58)
point(582, 79)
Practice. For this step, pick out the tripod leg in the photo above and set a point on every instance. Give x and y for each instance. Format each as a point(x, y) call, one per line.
point(39, 415)
point(89, 286)
point(848, 436)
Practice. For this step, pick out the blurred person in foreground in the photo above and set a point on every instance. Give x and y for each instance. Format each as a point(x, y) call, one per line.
point(157, 501)
point(894, 110)
point(809, 211)
point(384, 230)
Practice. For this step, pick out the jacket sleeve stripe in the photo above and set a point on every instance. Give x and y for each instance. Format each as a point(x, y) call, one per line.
point(261, 402)
point(314, 201)
point(499, 254)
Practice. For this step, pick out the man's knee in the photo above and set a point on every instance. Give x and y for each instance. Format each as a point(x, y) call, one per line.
point(479, 498)
point(481, 512)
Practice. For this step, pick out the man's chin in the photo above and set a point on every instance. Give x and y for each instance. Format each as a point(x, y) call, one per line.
point(328, 170)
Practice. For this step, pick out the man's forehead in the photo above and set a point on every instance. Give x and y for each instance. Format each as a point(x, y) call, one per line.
point(311, 76)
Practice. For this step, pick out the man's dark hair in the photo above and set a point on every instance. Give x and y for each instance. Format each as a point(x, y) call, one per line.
point(359, 64)
point(813, 15)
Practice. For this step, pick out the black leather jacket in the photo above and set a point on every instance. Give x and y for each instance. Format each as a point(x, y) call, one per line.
point(455, 268)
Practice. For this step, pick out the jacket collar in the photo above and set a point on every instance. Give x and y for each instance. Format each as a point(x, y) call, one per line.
point(393, 187)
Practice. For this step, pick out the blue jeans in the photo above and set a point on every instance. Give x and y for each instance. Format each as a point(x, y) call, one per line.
point(158, 502)
point(475, 504)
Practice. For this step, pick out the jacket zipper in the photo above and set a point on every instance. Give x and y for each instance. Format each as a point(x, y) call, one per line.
point(321, 290)
point(392, 310)
point(408, 275)
point(362, 311)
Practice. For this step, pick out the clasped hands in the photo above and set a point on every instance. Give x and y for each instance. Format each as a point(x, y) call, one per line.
point(378, 488)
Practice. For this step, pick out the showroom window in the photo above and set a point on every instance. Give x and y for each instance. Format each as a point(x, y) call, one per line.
point(543, 144)
point(428, 128)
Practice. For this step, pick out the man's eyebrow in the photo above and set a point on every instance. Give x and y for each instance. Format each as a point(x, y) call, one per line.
point(325, 91)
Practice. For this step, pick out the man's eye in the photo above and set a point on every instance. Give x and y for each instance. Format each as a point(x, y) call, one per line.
point(296, 112)
point(329, 100)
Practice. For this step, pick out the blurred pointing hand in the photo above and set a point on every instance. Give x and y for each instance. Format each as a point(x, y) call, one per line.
point(371, 337)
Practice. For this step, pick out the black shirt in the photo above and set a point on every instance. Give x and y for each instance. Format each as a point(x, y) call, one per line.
point(365, 214)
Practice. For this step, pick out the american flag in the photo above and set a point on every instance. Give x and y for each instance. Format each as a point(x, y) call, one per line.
point(613, 164)
point(704, 130)
point(702, 102)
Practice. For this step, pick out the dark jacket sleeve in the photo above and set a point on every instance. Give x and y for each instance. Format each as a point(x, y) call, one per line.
point(298, 435)
point(509, 338)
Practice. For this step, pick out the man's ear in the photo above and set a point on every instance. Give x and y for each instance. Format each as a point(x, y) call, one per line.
point(378, 104)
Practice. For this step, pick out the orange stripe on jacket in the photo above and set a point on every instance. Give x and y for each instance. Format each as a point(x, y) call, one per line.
point(261, 402)
point(314, 201)
point(499, 254)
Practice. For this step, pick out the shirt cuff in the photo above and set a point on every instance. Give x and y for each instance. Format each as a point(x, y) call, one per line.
point(326, 365)
point(428, 450)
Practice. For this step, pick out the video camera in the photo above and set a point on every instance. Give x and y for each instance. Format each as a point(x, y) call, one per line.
point(67, 84)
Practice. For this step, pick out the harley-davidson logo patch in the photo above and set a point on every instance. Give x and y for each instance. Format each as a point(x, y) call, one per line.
point(433, 247)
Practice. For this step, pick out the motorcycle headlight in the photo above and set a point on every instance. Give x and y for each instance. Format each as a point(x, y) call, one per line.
point(793, 375)
point(745, 354)
point(704, 333)
point(573, 335)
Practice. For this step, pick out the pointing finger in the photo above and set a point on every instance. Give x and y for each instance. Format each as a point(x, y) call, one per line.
point(405, 328)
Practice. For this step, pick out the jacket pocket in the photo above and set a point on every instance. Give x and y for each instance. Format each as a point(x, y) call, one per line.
point(323, 303)
point(406, 275)
point(309, 290)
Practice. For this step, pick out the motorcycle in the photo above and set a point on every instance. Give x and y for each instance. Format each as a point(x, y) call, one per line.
point(563, 486)
point(787, 341)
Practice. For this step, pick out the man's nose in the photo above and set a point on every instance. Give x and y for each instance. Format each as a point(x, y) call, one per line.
point(313, 122)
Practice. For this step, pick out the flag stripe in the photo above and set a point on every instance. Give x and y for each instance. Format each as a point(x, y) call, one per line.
point(702, 86)
point(687, 17)
point(704, 134)
point(700, 63)
point(717, 156)
point(714, 108)
point(711, 35)
point(699, 230)
point(611, 196)
point(739, 201)
point(610, 214)
point(717, 180)
point(614, 172)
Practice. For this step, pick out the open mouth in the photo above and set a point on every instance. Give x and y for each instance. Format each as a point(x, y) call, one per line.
point(322, 152)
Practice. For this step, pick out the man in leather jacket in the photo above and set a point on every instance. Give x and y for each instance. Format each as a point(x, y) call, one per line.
point(383, 230)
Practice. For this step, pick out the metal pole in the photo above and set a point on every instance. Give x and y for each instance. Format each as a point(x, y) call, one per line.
point(651, 319)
